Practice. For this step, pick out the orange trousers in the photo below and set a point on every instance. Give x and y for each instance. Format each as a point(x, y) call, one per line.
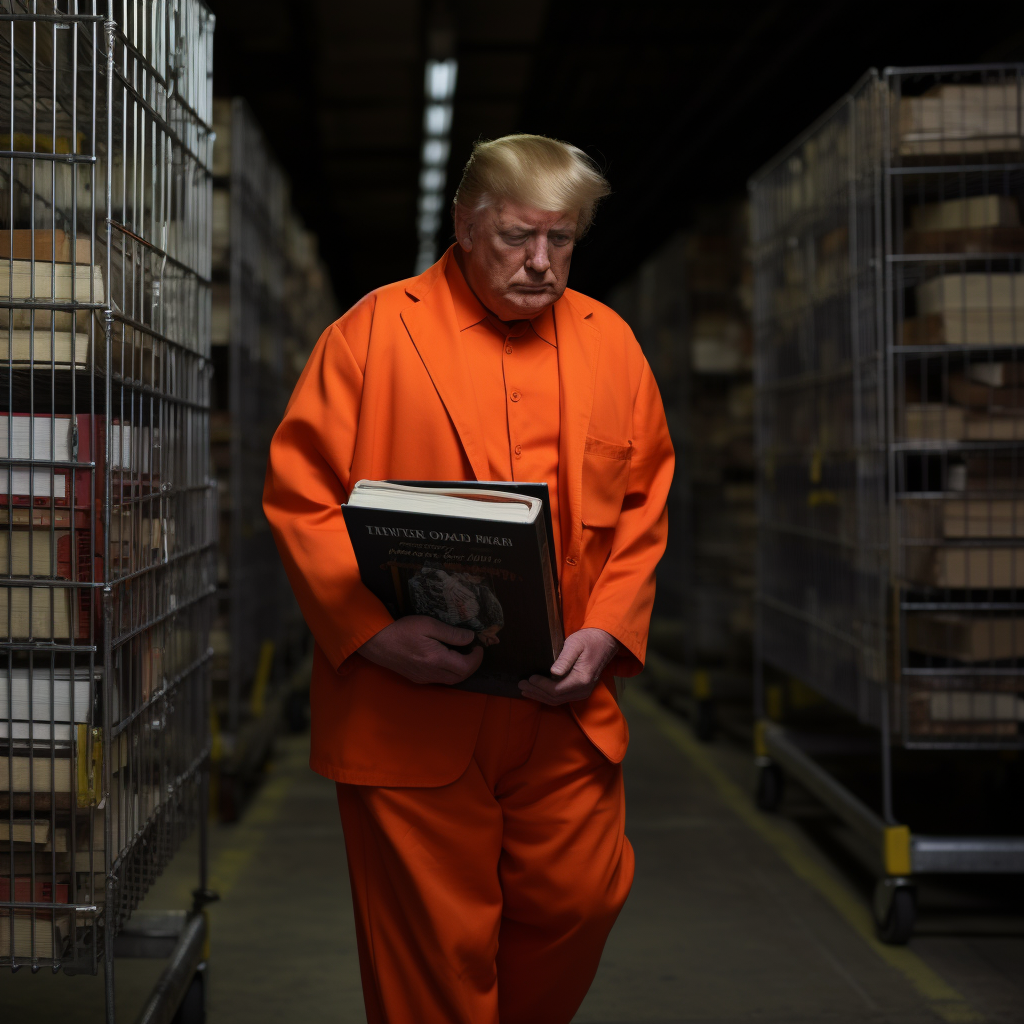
point(490, 899)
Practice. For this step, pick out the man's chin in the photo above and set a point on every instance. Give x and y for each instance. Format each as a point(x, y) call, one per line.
point(527, 303)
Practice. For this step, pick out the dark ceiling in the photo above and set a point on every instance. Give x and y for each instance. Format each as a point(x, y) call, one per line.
point(679, 102)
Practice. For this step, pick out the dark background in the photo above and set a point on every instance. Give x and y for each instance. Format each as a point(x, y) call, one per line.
point(679, 102)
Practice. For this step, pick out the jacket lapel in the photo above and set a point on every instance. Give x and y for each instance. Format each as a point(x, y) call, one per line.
point(578, 352)
point(435, 334)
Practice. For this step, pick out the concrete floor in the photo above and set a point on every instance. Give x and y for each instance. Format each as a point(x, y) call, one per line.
point(734, 916)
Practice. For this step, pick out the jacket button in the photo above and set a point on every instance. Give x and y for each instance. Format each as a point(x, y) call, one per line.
point(508, 350)
point(570, 560)
point(515, 396)
point(519, 449)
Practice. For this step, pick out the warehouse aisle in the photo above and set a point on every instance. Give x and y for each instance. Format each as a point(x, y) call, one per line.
point(734, 916)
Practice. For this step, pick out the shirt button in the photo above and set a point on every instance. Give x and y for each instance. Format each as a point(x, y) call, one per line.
point(515, 396)
point(519, 450)
point(570, 560)
point(508, 349)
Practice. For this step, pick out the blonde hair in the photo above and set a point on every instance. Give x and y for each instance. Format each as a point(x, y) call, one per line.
point(544, 173)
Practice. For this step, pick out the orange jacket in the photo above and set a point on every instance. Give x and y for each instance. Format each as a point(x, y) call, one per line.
point(386, 394)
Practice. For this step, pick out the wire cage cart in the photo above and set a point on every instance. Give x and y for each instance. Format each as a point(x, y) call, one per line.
point(107, 552)
point(271, 301)
point(689, 306)
point(889, 322)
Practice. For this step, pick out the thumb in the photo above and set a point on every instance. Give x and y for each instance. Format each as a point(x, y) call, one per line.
point(571, 650)
point(449, 634)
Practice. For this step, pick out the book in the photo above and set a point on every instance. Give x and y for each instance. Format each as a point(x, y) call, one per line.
point(964, 240)
point(50, 698)
point(987, 211)
point(475, 557)
point(964, 389)
point(33, 832)
point(997, 375)
point(966, 638)
point(40, 934)
point(933, 421)
point(43, 281)
point(24, 892)
point(965, 327)
point(50, 246)
point(35, 553)
point(48, 438)
point(37, 773)
point(947, 293)
point(925, 519)
point(975, 706)
point(954, 119)
point(963, 568)
point(39, 347)
point(35, 613)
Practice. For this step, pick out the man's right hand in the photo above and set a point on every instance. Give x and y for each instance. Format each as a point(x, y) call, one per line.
point(414, 647)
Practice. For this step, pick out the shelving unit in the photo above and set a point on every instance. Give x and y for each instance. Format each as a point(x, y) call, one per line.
point(107, 507)
point(689, 306)
point(271, 301)
point(889, 320)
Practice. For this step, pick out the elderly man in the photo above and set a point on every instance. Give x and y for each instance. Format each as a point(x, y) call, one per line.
point(485, 835)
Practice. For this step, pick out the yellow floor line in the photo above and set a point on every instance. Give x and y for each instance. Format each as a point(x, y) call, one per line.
point(942, 998)
point(247, 836)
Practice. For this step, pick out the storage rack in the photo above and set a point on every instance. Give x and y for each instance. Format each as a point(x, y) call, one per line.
point(689, 305)
point(107, 506)
point(889, 321)
point(271, 301)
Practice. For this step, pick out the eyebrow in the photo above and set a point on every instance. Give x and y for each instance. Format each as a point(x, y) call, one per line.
point(525, 229)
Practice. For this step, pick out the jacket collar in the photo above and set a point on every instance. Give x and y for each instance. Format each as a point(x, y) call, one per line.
point(432, 325)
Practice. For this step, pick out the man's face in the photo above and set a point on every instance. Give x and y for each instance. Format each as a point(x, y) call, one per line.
point(516, 258)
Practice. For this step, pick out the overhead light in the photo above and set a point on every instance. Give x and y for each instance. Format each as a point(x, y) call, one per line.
point(432, 179)
point(437, 118)
point(431, 202)
point(427, 227)
point(439, 83)
point(435, 152)
point(439, 88)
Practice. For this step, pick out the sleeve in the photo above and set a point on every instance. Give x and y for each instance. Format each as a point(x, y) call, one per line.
point(308, 478)
point(621, 600)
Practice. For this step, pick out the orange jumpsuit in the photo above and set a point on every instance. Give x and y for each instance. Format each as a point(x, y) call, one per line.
point(485, 835)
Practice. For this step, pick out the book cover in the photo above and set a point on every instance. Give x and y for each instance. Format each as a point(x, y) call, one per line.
point(495, 578)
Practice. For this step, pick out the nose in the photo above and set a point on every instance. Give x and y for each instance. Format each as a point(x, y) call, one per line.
point(537, 258)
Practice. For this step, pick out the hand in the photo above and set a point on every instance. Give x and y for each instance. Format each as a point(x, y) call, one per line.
point(584, 657)
point(414, 647)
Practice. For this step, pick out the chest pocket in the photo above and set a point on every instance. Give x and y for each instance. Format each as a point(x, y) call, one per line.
point(605, 476)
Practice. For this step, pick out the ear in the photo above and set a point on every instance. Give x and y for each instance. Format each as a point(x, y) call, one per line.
point(464, 224)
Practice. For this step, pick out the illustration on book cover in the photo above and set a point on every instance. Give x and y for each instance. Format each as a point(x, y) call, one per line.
point(463, 599)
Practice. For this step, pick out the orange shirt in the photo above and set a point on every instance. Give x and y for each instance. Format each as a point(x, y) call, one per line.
point(514, 367)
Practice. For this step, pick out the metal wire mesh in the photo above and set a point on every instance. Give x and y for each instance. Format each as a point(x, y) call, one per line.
point(889, 308)
point(271, 302)
point(107, 554)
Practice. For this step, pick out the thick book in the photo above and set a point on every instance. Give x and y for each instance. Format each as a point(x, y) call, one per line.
point(477, 555)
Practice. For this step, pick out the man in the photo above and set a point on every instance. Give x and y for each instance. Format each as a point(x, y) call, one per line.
point(485, 835)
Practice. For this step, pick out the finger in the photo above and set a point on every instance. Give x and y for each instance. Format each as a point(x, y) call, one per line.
point(438, 630)
point(565, 661)
point(532, 693)
point(458, 664)
point(574, 686)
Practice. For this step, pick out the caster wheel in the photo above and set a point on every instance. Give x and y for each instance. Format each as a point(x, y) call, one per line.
point(770, 784)
point(193, 1006)
point(895, 910)
point(705, 723)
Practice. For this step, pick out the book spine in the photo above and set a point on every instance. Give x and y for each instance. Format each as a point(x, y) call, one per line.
point(551, 596)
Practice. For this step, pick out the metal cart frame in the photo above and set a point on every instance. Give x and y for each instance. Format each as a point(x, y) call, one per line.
point(859, 442)
point(109, 514)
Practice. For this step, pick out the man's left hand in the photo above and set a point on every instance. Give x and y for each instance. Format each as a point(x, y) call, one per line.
point(577, 669)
